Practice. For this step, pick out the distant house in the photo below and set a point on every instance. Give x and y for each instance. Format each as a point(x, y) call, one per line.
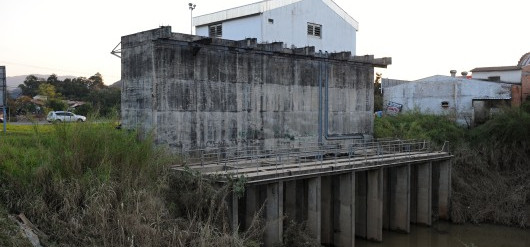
point(467, 101)
point(299, 23)
point(517, 74)
point(39, 99)
point(508, 74)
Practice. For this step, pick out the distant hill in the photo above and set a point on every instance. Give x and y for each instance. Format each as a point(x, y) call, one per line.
point(12, 82)
point(116, 84)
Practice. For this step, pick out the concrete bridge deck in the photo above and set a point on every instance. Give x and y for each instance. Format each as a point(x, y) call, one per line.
point(339, 191)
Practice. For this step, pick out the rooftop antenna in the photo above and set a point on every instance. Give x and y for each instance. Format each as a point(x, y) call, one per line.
point(192, 7)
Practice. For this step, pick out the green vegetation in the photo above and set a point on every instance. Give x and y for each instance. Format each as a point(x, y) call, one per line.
point(99, 99)
point(490, 169)
point(10, 235)
point(89, 184)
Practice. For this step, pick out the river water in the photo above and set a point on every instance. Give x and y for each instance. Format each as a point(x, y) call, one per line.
point(443, 234)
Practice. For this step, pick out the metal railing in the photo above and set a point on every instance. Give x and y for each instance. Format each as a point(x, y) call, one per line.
point(256, 159)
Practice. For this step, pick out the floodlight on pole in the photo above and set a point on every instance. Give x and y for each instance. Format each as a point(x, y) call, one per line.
point(192, 7)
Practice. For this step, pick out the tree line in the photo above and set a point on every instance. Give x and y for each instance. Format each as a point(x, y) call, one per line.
point(97, 97)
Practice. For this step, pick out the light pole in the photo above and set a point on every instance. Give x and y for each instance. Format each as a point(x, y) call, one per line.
point(192, 7)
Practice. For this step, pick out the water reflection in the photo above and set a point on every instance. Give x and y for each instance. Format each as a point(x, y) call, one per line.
point(443, 234)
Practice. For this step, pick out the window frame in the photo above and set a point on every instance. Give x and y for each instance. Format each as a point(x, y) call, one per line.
point(314, 30)
point(217, 30)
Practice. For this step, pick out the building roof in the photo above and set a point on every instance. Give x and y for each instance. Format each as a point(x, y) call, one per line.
point(499, 68)
point(525, 60)
point(262, 6)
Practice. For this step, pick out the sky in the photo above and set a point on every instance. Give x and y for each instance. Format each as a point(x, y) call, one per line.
point(423, 37)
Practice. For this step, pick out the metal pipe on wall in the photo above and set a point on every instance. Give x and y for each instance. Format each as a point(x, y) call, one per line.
point(324, 70)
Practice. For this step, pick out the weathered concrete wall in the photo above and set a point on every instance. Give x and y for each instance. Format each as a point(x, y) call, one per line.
point(196, 92)
point(427, 95)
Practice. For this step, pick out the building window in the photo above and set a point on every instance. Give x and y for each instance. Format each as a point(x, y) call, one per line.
point(445, 104)
point(314, 30)
point(271, 21)
point(215, 31)
point(494, 78)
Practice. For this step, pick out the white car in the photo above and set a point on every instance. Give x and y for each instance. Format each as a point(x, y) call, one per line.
point(64, 116)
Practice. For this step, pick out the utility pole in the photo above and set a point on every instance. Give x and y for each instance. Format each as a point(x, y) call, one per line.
point(192, 7)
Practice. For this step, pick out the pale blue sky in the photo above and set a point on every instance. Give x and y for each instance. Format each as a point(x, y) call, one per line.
point(424, 37)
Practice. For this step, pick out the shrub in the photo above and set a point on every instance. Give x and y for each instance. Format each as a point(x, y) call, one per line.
point(91, 185)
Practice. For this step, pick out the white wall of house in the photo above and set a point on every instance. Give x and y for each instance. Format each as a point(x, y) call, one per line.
point(238, 29)
point(513, 76)
point(289, 25)
point(427, 95)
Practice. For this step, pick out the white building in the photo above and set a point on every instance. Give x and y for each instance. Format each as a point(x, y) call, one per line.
point(299, 23)
point(509, 74)
point(468, 101)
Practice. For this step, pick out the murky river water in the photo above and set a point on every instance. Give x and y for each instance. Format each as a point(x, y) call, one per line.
point(443, 234)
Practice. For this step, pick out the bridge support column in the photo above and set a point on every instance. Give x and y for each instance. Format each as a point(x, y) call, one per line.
point(254, 199)
point(274, 214)
point(234, 214)
point(360, 204)
point(399, 198)
point(290, 200)
point(345, 210)
point(314, 207)
point(424, 190)
point(374, 205)
point(444, 188)
point(326, 230)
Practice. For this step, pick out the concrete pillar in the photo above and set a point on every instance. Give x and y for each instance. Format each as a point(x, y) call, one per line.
point(400, 199)
point(314, 188)
point(326, 229)
point(387, 183)
point(301, 200)
point(290, 200)
point(345, 225)
point(444, 189)
point(413, 193)
point(424, 207)
point(234, 215)
point(274, 214)
point(374, 205)
point(360, 204)
point(251, 205)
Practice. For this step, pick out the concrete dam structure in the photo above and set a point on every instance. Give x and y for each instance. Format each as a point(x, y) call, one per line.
point(198, 92)
point(295, 125)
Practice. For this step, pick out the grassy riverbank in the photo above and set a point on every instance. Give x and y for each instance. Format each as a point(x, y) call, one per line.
point(89, 184)
point(491, 168)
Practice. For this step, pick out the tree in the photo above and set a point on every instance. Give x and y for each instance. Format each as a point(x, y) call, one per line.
point(47, 90)
point(96, 82)
point(106, 100)
point(378, 96)
point(56, 104)
point(31, 85)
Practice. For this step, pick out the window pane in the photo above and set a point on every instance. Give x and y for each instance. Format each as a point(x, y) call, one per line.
point(317, 31)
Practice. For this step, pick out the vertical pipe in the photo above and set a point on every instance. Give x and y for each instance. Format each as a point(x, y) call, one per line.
point(320, 103)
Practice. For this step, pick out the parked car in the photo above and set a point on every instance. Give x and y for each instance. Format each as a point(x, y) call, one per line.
point(64, 116)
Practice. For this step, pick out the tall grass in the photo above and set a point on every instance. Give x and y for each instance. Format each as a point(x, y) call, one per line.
point(91, 185)
point(491, 167)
